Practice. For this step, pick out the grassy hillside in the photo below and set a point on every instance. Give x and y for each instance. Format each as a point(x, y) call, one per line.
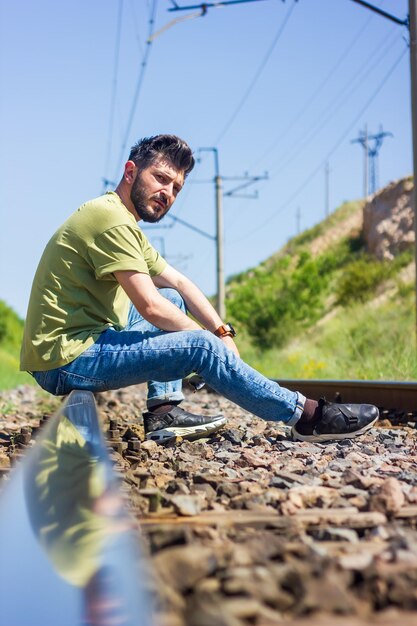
point(323, 308)
point(11, 330)
point(364, 341)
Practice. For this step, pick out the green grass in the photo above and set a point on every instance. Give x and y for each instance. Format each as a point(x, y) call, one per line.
point(364, 341)
point(292, 290)
point(10, 376)
point(317, 315)
point(11, 332)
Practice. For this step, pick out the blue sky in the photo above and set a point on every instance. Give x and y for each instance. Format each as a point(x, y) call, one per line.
point(277, 87)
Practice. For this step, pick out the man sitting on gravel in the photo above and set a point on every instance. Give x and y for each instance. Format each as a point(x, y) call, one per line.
point(107, 311)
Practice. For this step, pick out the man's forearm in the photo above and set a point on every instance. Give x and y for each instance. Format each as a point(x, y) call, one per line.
point(165, 315)
point(151, 305)
point(197, 303)
point(200, 307)
point(160, 312)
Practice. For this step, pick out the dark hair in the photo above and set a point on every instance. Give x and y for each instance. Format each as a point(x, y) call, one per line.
point(150, 149)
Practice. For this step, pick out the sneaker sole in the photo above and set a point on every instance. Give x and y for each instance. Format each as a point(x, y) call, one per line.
point(331, 437)
point(190, 432)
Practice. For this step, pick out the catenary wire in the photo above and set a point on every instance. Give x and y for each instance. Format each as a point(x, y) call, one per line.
point(319, 167)
point(321, 123)
point(333, 108)
point(318, 90)
point(114, 90)
point(211, 5)
point(138, 86)
point(341, 98)
point(256, 76)
point(315, 93)
point(136, 27)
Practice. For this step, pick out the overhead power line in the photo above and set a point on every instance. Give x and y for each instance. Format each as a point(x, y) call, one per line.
point(257, 74)
point(210, 5)
point(318, 91)
point(114, 89)
point(136, 27)
point(138, 86)
point(389, 16)
point(191, 227)
point(334, 107)
point(319, 167)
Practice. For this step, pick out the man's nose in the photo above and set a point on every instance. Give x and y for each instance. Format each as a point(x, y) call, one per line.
point(168, 192)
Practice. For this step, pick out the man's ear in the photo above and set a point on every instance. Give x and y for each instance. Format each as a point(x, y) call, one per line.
point(130, 172)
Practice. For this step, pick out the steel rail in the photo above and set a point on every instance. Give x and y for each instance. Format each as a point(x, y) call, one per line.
point(398, 396)
point(387, 394)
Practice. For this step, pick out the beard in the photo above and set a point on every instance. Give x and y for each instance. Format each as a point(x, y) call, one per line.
point(141, 203)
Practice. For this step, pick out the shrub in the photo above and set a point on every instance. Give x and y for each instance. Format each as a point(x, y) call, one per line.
point(11, 327)
point(273, 305)
point(360, 278)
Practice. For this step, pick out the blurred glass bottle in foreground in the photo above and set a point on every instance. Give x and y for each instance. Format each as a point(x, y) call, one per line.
point(69, 550)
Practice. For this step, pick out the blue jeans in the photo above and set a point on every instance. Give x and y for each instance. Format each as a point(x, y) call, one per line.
point(142, 352)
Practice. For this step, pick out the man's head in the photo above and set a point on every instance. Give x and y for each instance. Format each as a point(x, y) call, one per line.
point(163, 147)
point(154, 175)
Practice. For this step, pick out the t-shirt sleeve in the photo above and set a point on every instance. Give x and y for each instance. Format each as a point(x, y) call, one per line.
point(124, 248)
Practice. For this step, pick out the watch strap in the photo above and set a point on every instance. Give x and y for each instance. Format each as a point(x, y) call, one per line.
point(225, 330)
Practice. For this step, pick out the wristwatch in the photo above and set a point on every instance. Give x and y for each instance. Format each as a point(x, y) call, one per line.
point(226, 330)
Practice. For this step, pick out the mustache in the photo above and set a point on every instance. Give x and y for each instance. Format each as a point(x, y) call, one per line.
point(161, 198)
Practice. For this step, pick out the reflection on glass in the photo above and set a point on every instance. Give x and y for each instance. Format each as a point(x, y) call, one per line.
point(68, 551)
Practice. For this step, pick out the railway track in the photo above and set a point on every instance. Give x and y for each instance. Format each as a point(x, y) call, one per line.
point(391, 396)
point(248, 528)
point(396, 400)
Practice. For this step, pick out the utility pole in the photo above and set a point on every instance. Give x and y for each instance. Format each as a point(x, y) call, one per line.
point(413, 71)
point(371, 157)
point(219, 238)
point(298, 220)
point(220, 304)
point(362, 139)
point(365, 166)
point(373, 154)
point(221, 289)
point(327, 189)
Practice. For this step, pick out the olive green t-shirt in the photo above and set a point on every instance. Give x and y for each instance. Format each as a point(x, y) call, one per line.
point(75, 296)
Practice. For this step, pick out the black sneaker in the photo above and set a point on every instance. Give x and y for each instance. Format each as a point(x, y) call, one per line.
point(337, 421)
point(180, 423)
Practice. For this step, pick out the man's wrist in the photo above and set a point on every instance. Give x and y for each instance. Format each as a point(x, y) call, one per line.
point(225, 330)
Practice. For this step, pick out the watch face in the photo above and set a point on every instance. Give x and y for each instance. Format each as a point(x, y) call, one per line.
point(231, 329)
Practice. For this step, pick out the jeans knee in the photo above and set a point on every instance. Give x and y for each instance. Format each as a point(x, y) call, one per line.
point(173, 296)
point(207, 344)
